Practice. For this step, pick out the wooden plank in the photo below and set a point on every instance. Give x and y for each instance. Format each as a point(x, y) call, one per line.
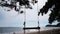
point(31, 28)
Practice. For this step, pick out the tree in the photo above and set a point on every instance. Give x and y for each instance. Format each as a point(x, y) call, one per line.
point(17, 4)
point(55, 12)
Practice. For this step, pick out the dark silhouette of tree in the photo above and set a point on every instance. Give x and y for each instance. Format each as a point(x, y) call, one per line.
point(55, 12)
point(12, 4)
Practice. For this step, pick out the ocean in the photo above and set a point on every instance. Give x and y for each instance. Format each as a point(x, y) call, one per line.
point(10, 29)
point(20, 29)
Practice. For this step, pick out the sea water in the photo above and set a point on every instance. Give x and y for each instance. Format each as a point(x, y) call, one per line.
point(10, 29)
point(20, 29)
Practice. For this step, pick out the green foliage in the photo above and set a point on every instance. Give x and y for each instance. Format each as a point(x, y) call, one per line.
point(55, 13)
point(12, 4)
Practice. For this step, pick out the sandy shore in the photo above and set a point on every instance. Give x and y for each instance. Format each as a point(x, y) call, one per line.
point(53, 31)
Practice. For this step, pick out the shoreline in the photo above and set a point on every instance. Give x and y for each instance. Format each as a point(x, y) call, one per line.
point(48, 31)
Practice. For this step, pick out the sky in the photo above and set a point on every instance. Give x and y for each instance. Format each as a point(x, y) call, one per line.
point(13, 19)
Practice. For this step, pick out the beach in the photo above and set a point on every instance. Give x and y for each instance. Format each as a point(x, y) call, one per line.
point(44, 31)
point(53, 31)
